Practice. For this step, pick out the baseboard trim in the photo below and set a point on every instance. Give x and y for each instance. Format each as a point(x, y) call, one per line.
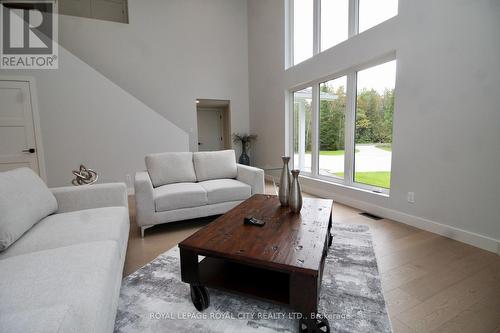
point(464, 236)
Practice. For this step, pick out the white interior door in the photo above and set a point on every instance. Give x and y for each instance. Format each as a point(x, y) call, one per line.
point(17, 135)
point(210, 130)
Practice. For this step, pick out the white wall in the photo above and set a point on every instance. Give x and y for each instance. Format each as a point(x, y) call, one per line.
point(85, 118)
point(266, 75)
point(171, 53)
point(447, 118)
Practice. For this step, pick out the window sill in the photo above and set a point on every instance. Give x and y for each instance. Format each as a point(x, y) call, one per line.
point(343, 186)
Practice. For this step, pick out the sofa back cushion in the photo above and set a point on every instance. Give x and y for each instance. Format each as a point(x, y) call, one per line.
point(169, 168)
point(24, 201)
point(215, 165)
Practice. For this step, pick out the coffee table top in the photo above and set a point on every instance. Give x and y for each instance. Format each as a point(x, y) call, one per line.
point(288, 242)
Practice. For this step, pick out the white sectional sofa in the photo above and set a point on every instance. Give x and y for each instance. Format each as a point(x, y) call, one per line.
point(62, 253)
point(181, 186)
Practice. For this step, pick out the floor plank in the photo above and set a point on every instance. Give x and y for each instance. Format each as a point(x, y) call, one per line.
point(400, 275)
point(399, 327)
point(393, 260)
point(399, 301)
point(446, 275)
point(449, 303)
point(481, 317)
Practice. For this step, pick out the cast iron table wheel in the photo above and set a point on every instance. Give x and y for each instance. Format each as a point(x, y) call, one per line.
point(200, 297)
point(317, 325)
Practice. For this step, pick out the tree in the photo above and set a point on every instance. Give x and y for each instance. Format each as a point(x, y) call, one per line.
point(332, 119)
point(374, 114)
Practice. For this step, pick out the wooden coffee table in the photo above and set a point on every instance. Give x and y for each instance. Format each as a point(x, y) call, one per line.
point(281, 261)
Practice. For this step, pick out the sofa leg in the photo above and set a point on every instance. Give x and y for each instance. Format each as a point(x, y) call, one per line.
point(143, 228)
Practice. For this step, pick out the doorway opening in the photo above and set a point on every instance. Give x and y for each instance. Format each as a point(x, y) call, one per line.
point(214, 124)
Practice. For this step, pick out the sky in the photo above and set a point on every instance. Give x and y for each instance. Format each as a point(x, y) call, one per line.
point(334, 29)
point(379, 77)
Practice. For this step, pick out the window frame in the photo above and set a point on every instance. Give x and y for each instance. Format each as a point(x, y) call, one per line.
point(292, 127)
point(346, 131)
point(289, 32)
point(352, 20)
point(349, 126)
point(352, 29)
point(289, 12)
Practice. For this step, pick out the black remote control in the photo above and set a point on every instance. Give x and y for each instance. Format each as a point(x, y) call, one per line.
point(254, 221)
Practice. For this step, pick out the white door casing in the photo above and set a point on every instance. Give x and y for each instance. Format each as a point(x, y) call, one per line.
point(19, 146)
point(210, 136)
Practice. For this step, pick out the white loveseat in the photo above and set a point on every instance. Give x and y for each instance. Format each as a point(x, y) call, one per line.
point(60, 273)
point(182, 186)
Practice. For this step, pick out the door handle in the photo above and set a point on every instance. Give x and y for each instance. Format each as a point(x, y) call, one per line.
point(31, 150)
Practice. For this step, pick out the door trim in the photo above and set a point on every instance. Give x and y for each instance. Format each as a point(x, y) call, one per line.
point(36, 119)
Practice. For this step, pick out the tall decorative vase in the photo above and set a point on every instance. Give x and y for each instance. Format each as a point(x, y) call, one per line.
point(284, 192)
point(244, 159)
point(295, 193)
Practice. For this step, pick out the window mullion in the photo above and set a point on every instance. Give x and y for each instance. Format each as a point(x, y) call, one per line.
point(289, 128)
point(315, 130)
point(289, 33)
point(316, 27)
point(350, 127)
point(353, 18)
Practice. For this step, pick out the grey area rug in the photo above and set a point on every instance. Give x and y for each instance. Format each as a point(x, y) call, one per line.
point(154, 299)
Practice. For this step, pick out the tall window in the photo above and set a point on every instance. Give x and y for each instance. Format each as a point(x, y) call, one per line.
point(336, 22)
point(302, 30)
point(372, 12)
point(354, 128)
point(332, 109)
point(374, 112)
point(302, 129)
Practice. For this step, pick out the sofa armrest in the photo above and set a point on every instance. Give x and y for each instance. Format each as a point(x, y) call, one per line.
point(144, 199)
point(251, 176)
point(73, 198)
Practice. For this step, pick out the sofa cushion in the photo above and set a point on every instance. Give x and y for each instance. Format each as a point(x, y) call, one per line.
point(58, 230)
point(79, 280)
point(48, 319)
point(169, 168)
point(24, 200)
point(223, 190)
point(179, 195)
point(215, 165)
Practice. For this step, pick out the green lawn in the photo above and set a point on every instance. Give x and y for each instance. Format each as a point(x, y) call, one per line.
point(384, 146)
point(331, 152)
point(375, 178)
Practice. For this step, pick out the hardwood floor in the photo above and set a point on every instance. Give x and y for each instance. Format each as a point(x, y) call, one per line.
point(431, 283)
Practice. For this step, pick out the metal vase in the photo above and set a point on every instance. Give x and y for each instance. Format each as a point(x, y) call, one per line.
point(284, 191)
point(295, 193)
point(244, 159)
